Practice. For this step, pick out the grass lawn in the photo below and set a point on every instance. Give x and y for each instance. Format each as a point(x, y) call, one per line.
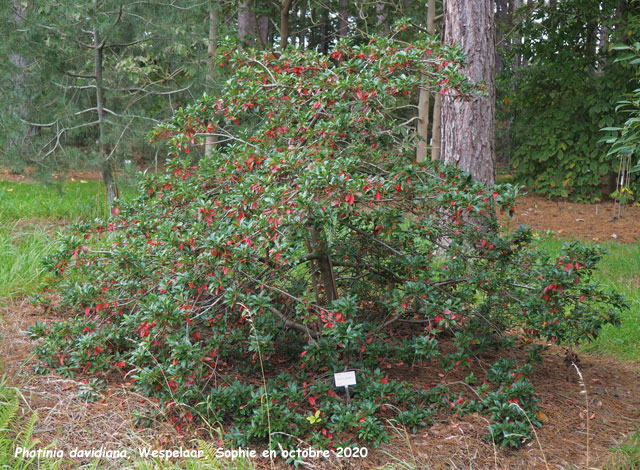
point(30, 216)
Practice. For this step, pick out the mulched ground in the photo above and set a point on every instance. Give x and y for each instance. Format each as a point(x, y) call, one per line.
point(591, 222)
point(29, 175)
point(613, 394)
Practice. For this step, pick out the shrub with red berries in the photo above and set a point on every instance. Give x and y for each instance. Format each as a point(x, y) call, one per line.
point(306, 243)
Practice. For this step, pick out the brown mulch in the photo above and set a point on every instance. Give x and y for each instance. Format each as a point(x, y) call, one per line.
point(65, 419)
point(613, 394)
point(6, 174)
point(592, 222)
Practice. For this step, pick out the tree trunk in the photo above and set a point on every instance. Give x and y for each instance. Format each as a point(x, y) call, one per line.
point(436, 136)
point(264, 32)
point(513, 6)
point(468, 138)
point(343, 19)
point(246, 24)
point(107, 176)
point(302, 25)
point(285, 6)
point(423, 125)
point(321, 250)
point(211, 62)
point(423, 101)
point(324, 32)
point(382, 26)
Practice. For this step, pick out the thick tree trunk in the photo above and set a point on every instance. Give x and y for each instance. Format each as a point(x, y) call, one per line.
point(212, 50)
point(343, 18)
point(468, 126)
point(285, 6)
point(246, 24)
point(264, 32)
point(109, 183)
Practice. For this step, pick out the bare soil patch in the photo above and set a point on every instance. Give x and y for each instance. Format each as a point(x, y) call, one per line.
point(591, 222)
point(613, 393)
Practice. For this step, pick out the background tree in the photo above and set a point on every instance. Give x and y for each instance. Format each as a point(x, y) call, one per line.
point(101, 73)
point(468, 135)
point(559, 87)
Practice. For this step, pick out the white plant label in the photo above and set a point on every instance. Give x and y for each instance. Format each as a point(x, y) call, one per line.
point(345, 379)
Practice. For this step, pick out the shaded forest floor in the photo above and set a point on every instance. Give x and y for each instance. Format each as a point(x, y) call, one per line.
point(589, 222)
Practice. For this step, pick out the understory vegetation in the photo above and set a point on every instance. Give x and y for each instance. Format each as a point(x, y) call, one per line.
point(234, 286)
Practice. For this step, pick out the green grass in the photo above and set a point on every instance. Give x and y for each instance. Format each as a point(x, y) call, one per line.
point(627, 455)
point(62, 202)
point(23, 246)
point(30, 216)
point(619, 270)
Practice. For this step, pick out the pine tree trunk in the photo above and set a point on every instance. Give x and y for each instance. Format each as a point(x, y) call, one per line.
point(423, 101)
point(468, 138)
point(285, 6)
point(211, 63)
point(109, 183)
point(246, 24)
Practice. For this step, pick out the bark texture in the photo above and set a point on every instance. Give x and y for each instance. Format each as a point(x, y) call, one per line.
point(468, 139)
point(423, 101)
point(212, 50)
point(285, 6)
point(246, 24)
point(110, 185)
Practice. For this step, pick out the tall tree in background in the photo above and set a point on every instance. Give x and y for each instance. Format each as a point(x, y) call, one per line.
point(99, 72)
point(423, 100)
point(564, 91)
point(468, 126)
point(212, 51)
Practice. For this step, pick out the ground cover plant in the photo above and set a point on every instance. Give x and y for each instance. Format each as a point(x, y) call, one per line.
point(307, 243)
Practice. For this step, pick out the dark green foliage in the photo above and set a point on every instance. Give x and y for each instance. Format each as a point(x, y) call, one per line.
point(213, 290)
point(564, 94)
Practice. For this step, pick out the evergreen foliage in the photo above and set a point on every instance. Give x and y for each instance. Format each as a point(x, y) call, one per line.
point(307, 243)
